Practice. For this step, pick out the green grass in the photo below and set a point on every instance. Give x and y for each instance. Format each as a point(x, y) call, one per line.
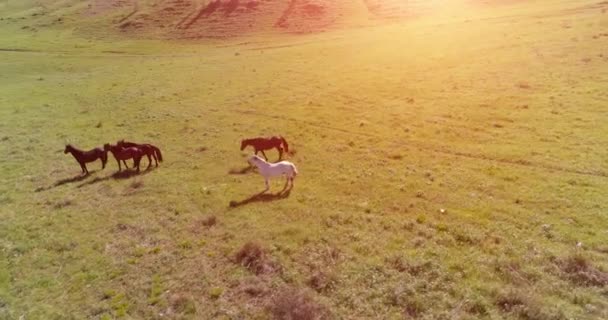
point(496, 115)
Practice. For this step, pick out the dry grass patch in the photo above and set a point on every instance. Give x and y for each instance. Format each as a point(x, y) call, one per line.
point(181, 304)
point(209, 221)
point(578, 269)
point(296, 304)
point(254, 257)
point(525, 306)
point(322, 281)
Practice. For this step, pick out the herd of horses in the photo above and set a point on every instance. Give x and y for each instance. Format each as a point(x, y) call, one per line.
point(124, 150)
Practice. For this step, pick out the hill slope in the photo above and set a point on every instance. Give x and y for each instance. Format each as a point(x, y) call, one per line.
point(211, 19)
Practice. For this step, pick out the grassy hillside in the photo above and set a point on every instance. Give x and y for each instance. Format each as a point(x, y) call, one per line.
point(452, 164)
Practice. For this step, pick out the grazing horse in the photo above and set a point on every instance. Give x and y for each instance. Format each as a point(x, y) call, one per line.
point(148, 150)
point(269, 170)
point(261, 144)
point(87, 156)
point(120, 153)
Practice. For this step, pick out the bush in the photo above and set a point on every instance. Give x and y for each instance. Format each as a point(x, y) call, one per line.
point(253, 257)
point(579, 270)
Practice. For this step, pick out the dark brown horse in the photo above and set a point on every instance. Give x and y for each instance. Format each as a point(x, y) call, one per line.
point(148, 150)
point(83, 157)
point(120, 153)
point(261, 144)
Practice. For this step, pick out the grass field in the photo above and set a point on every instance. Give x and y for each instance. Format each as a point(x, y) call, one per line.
point(453, 162)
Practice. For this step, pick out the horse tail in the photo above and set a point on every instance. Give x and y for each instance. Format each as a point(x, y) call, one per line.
point(285, 145)
point(158, 154)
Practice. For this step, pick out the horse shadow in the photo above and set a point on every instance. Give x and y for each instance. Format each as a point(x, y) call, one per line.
point(244, 170)
point(63, 181)
point(262, 197)
point(118, 175)
point(77, 178)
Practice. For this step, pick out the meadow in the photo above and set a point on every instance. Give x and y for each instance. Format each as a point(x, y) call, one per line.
point(452, 163)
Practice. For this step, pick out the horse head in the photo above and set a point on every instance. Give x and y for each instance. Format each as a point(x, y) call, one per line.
point(255, 159)
point(68, 147)
point(243, 144)
point(107, 147)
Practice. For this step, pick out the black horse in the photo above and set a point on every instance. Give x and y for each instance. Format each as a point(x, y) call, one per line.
point(83, 157)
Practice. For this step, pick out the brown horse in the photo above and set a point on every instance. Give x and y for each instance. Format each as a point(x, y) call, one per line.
point(87, 156)
point(120, 153)
point(148, 150)
point(261, 144)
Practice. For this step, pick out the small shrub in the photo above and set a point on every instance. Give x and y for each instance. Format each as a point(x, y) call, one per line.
point(216, 292)
point(414, 308)
point(322, 281)
point(477, 306)
point(254, 287)
point(253, 257)
point(182, 304)
point(579, 270)
point(209, 221)
point(156, 290)
point(525, 306)
point(421, 219)
point(136, 184)
point(185, 245)
point(294, 304)
point(63, 204)
point(413, 268)
point(507, 301)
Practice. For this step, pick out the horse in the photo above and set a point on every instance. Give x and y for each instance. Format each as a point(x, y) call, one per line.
point(148, 150)
point(261, 144)
point(123, 154)
point(87, 156)
point(269, 170)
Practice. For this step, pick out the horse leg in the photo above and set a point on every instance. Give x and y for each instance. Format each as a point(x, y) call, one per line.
point(149, 161)
point(280, 150)
point(119, 168)
point(267, 184)
point(83, 167)
point(264, 154)
point(125, 162)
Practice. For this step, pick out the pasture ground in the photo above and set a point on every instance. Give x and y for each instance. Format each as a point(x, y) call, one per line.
point(449, 165)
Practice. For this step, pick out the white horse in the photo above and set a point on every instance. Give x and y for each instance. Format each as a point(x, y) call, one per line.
point(269, 170)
